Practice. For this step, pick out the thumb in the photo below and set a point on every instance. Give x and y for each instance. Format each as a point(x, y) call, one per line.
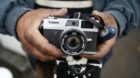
point(51, 12)
point(97, 15)
point(60, 12)
point(107, 18)
point(95, 12)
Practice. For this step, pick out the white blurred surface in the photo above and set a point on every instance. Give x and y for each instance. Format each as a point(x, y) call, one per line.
point(11, 43)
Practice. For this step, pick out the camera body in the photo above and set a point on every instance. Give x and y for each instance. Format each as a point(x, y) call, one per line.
point(73, 35)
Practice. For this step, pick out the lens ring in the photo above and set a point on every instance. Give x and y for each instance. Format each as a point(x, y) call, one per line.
point(76, 50)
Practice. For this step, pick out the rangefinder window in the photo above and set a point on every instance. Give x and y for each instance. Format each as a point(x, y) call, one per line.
point(72, 23)
point(86, 24)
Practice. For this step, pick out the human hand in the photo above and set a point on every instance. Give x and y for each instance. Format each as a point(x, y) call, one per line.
point(31, 38)
point(104, 47)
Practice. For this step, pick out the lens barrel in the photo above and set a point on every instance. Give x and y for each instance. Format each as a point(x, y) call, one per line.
point(73, 41)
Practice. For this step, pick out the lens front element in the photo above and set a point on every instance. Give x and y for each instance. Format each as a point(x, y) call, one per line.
point(73, 42)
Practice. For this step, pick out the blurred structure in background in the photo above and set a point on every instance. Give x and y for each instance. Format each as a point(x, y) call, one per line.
point(126, 58)
point(14, 58)
point(124, 63)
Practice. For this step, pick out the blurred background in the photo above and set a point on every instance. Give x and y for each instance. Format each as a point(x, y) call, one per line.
point(124, 63)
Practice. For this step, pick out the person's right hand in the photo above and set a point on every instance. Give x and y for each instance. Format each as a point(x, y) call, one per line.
point(31, 38)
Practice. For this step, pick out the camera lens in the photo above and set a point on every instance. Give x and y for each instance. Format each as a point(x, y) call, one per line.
point(73, 42)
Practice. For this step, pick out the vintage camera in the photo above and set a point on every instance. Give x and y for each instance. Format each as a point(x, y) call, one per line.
point(73, 35)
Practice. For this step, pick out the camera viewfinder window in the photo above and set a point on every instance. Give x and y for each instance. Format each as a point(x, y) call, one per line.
point(74, 23)
point(86, 24)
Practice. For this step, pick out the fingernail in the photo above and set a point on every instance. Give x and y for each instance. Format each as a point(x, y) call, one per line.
point(64, 9)
point(95, 12)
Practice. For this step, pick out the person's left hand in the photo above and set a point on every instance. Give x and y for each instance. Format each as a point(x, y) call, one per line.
point(103, 48)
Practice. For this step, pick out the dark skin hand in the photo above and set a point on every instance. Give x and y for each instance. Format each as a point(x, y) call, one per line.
point(31, 38)
point(105, 47)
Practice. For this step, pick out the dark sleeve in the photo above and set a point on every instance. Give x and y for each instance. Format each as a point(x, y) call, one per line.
point(10, 11)
point(126, 13)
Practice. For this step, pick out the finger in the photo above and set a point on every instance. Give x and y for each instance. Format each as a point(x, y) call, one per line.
point(91, 56)
point(39, 55)
point(107, 18)
point(95, 12)
point(30, 49)
point(97, 55)
point(42, 14)
point(60, 12)
point(42, 44)
point(102, 50)
point(52, 12)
